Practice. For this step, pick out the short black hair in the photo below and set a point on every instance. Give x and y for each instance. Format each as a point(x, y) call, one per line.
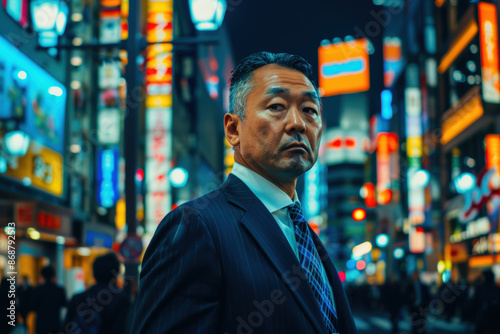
point(48, 273)
point(242, 75)
point(106, 267)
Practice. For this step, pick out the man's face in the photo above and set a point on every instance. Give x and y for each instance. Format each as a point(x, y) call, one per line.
point(280, 135)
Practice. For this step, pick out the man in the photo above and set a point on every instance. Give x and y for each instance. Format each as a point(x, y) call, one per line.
point(104, 306)
point(242, 259)
point(49, 298)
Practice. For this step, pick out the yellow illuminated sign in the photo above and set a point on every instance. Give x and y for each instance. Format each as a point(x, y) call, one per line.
point(43, 170)
point(458, 45)
point(344, 68)
point(462, 119)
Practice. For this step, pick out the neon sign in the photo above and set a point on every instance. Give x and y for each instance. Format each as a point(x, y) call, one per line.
point(107, 177)
point(487, 191)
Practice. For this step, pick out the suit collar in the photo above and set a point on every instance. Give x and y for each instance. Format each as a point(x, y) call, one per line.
point(262, 226)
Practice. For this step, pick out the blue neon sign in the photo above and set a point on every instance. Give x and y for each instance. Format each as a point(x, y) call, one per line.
point(345, 67)
point(107, 177)
point(386, 98)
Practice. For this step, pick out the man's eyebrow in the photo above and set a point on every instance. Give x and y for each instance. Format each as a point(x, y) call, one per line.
point(277, 90)
point(312, 95)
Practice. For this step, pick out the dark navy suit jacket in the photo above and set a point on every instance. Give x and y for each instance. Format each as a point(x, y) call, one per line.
point(221, 264)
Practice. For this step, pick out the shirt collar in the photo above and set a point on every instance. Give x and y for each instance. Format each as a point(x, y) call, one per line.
point(270, 195)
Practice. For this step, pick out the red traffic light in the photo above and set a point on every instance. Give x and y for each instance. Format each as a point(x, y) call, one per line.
point(359, 214)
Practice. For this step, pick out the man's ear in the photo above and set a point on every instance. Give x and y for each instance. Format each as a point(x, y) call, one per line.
point(232, 128)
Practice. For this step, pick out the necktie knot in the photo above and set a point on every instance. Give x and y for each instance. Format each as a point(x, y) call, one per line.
point(296, 213)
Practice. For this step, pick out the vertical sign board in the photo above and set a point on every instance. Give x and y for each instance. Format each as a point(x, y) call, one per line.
point(393, 60)
point(387, 145)
point(416, 195)
point(344, 68)
point(158, 111)
point(107, 177)
point(488, 33)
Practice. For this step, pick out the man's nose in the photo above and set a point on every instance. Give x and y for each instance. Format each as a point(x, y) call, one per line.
point(294, 121)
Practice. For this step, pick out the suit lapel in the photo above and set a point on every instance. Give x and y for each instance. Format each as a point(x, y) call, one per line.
point(262, 226)
point(345, 322)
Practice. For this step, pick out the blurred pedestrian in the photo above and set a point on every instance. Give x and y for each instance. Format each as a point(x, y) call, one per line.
point(487, 305)
point(393, 301)
point(7, 321)
point(49, 299)
point(418, 298)
point(103, 307)
point(24, 298)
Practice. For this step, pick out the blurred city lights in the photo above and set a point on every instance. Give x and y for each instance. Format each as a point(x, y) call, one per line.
point(445, 276)
point(34, 234)
point(76, 61)
point(359, 214)
point(139, 175)
point(420, 179)
point(342, 276)
point(77, 41)
point(464, 182)
point(362, 249)
point(178, 177)
point(382, 240)
point(60, 240)
point(371, 269)
point(83, 251)
point(441, 266)
point(17, 142)
point(75, 85)
point(3, 164)
point(350, 264)
point(385, 196)
point(399, 253)
point(75, 148)
point(386, 98)
point(56, 91)
point(207, 14)
point(76, 17)
point(360, 265)
point(22, 75)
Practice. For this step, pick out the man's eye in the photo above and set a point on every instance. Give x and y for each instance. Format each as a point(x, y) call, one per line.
point(277, 107)
point(310, 110)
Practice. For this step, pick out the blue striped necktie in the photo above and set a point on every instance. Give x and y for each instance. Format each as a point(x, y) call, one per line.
point(311, 265)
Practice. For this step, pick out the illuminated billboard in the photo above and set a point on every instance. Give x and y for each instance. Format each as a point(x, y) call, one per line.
point(488, 32)
point(344, 68)
point(32, 96)
point(158, 111)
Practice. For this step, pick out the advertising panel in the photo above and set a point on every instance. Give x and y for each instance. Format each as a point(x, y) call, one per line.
point(488, 32)
point(344, 68)
point(41, 168)
point(31, 96)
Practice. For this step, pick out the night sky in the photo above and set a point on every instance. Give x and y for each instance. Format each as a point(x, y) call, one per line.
point(293, 26)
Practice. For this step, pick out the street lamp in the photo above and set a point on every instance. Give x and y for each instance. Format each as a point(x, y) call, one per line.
point(49, 20)
point(207, 14)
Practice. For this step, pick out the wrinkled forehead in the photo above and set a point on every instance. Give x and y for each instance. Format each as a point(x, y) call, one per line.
point(274, 80)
